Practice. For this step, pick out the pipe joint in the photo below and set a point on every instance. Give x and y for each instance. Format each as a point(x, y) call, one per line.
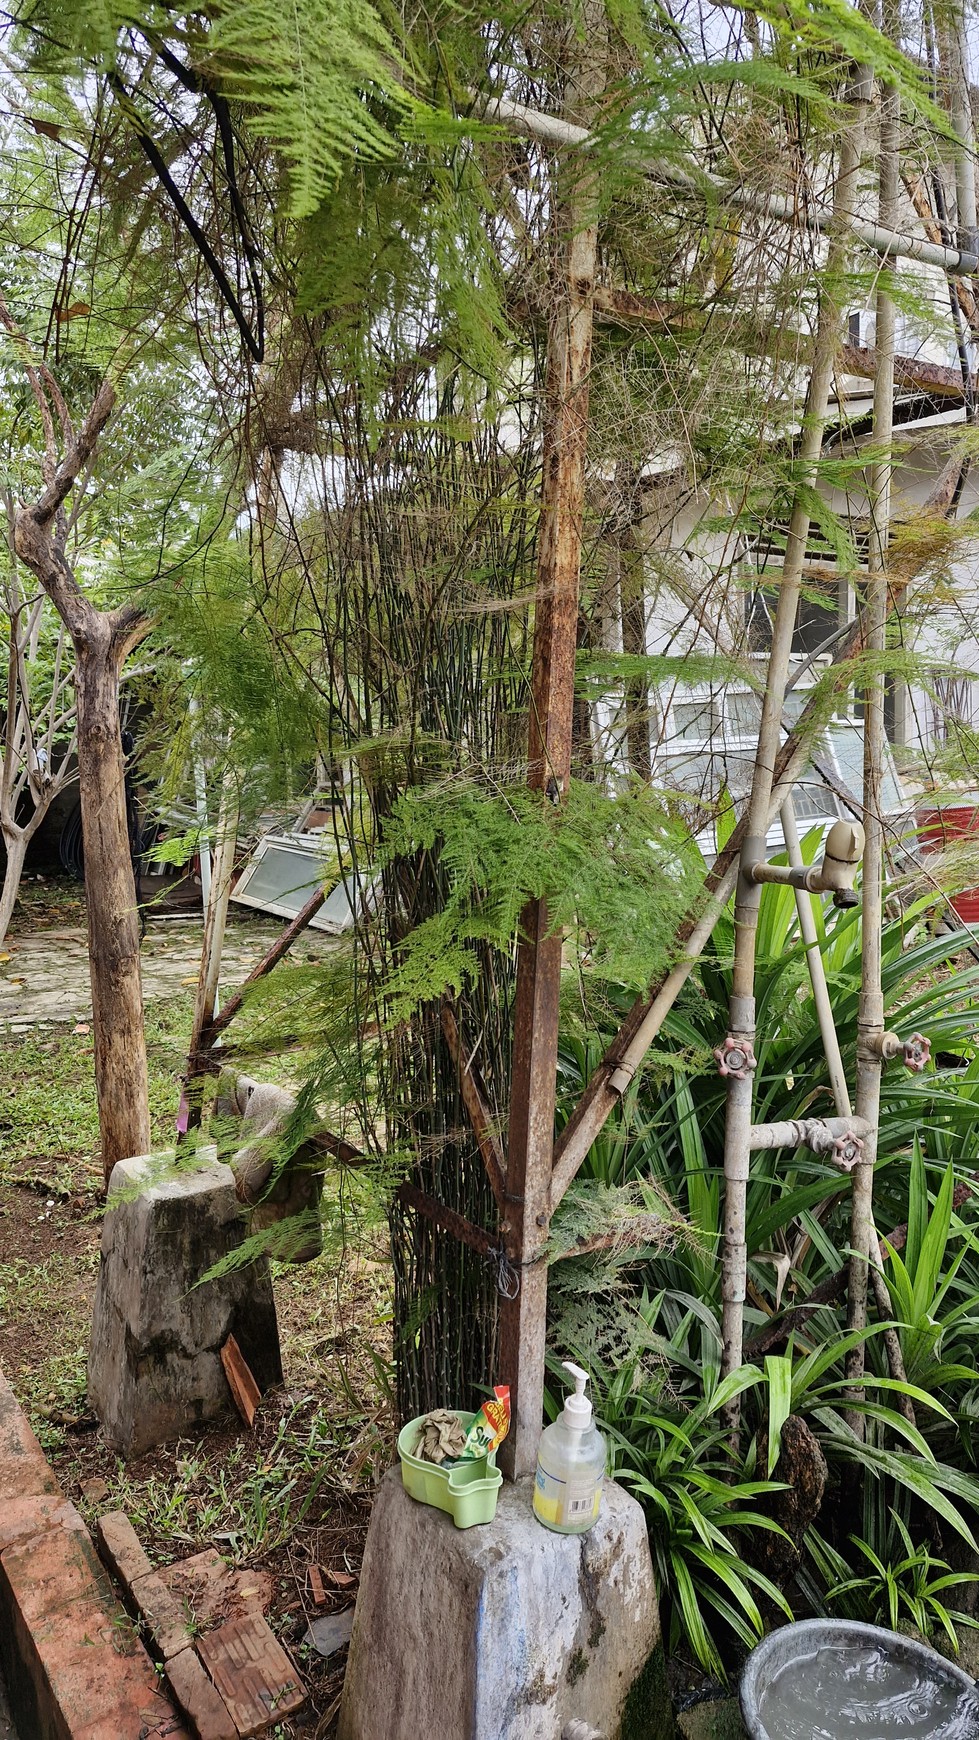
point(886, 1046)
point(835, 875)
point(735, 1058)
point(914, 1053)
point(621, 1076)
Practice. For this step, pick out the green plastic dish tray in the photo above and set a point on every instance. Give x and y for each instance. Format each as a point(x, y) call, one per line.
point(467, 1490)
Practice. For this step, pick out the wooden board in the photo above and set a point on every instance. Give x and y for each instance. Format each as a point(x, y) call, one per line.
point(245, 1390)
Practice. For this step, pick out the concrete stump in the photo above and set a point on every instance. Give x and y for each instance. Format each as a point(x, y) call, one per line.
point(506, 1631)
point(154, 1368)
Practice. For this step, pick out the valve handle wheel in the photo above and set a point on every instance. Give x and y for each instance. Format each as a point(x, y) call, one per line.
point(846, 1152)
point(917, 1051)
point(735, 1058)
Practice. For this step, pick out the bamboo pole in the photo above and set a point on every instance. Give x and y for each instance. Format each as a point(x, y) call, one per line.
point(960, 109)
point(870, 1011)
point(886, 242)
point(736, 1054)
point(623, 1057)
point(817, 972)
point(215, 922)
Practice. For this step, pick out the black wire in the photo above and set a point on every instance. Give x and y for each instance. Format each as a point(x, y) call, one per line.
point(196, 83)
point(254, 344)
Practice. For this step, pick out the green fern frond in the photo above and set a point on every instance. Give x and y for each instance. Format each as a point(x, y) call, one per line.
point(312, 73)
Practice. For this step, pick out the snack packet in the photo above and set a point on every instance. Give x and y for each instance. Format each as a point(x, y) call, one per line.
point(490, 1426)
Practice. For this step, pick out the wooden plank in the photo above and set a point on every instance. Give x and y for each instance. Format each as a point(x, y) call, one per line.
point(523, 1310)
point(475, 1100)
point(447, 1219)
point(244, 1389)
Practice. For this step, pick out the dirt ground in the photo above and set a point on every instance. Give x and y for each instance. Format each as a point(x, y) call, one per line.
point(291, 1495)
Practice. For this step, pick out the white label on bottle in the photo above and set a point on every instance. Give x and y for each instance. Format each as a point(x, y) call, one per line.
point(563, 1502)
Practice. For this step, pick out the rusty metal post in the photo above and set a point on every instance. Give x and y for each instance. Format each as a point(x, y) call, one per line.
point(534, 1073)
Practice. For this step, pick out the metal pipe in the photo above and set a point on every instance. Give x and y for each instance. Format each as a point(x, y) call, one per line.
point(886, 241)
point(870, 1008)
point(817, 972)
point(734, 1252)
point(820, 1135)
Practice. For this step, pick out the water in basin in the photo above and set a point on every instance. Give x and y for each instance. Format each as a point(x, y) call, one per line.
point(869, 1693)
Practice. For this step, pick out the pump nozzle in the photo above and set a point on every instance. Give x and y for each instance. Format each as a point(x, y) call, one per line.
point(577, 1408)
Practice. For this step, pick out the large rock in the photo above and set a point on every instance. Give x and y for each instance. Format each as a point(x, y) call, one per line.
point(154, 1369)
point(506, 1631)
point(263, 1111)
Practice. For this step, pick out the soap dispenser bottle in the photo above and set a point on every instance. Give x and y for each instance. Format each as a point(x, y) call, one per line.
point(570, 1465)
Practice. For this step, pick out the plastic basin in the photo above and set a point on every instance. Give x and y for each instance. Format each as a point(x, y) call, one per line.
point(900, 1689)
point(467, 1490)
point(943, 826)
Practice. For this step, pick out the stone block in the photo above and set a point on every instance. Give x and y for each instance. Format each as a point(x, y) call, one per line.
point(121, 1547)
point(252, 1672)
point(203, 1703)
point(75, 1669)
point(155, 1368)
point(164, 1615)
point(506, 1631)
point(22, 1518)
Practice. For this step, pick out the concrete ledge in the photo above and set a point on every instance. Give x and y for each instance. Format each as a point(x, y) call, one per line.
point(24, 1471)
point(75, 1669)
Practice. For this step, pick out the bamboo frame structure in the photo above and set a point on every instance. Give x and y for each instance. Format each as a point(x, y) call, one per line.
point(777, 767)
point(736, 1059)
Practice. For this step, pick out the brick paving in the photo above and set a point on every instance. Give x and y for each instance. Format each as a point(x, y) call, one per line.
point(79, 1670)
point(45, 979)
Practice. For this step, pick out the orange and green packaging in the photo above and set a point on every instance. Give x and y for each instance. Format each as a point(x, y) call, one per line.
point(490, 1426)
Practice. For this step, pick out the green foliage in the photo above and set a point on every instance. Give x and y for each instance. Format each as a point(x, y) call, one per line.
point(899, 1589)
point(677, 1464)
point(608, 867)
point(659, 1317)
point(310, 72)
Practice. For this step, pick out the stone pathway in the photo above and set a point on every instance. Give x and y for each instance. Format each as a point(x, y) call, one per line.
point(44, 973)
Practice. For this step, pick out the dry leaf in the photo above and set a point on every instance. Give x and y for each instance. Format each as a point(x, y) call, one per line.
point(82, 1027)
point(191, 981)
point(72, 313)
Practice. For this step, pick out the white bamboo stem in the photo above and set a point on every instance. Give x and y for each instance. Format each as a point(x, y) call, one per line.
point(883, 239)
point(870, 1013)
point(734, 1251)
point(817, 972)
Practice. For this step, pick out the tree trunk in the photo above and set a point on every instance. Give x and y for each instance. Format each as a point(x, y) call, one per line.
point(533, 1087)
point(110, 893)
point(15, 841)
